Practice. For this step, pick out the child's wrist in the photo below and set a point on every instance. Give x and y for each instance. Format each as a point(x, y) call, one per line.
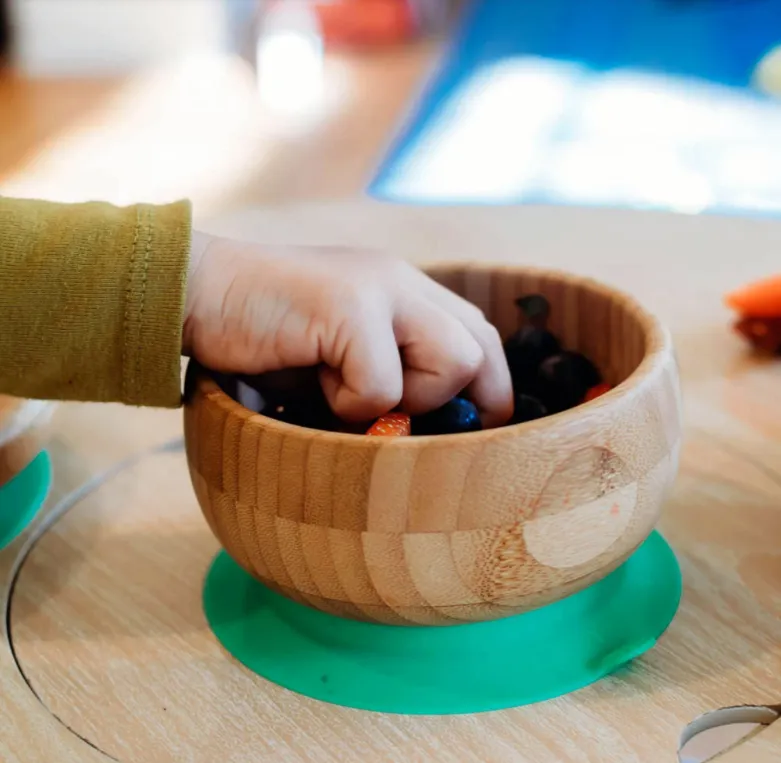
point(199, 243)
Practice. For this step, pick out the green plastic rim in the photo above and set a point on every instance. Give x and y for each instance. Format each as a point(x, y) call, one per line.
point(23, 496)
point(451, 670)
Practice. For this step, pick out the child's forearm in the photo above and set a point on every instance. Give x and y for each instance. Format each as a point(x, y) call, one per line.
point(97, 303)
point(91, 300)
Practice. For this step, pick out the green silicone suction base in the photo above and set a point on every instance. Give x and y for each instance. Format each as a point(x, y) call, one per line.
point(447, 670)
point(21, 498)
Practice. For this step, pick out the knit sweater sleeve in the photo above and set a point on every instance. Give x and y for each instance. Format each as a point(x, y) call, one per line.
point(92, 300)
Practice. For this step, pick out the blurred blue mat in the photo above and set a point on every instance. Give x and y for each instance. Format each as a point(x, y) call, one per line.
point(628, 103)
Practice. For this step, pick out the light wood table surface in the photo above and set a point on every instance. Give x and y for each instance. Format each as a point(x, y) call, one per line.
point(106, 620)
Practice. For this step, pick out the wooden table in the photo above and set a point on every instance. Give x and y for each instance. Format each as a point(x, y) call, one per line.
point(106, 619)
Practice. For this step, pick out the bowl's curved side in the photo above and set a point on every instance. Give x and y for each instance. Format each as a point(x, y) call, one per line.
point(438, 530)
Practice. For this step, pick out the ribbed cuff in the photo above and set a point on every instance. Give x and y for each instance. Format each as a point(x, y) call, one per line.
point(154, 305)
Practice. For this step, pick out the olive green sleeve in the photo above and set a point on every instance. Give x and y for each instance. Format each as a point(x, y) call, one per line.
point(92, 301)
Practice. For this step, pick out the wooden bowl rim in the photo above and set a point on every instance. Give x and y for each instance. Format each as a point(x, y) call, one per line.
point(658, 348)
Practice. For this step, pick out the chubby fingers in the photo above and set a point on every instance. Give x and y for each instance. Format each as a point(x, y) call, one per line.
point(363, 377)
point(418, 350)
point(491, 387)
point(441, 357)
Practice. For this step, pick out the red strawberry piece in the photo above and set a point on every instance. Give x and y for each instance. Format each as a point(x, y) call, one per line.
point(391, 425)
point(597, 391)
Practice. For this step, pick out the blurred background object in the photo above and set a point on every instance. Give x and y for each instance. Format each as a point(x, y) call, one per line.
point(363, 24)
point(767, 75)
point(5, 30)
point(89, 38)
point(294, 35)
point(232, 103)
point(654, 104)
point(85, 37)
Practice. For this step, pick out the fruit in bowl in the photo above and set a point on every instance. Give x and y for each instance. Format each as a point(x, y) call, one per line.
point(546, 379)
point(441, 529)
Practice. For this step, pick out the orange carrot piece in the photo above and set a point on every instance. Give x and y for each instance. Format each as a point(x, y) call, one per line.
point(760, 299)
point(391, 425)
point(597, 391)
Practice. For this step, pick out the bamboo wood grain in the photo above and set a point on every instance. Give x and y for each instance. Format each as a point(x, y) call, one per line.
point(450, 529)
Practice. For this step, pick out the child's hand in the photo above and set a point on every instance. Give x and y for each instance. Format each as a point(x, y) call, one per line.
point(383, 331)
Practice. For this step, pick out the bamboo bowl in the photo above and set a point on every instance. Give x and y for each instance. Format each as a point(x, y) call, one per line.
point(455, 528)
point(24, 432)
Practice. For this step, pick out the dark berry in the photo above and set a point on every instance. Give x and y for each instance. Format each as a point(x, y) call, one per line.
point(313, 412)
point(525, 351)
point(527, 408)
point(564, 379)
point(227, 383)
point(293, 395)
point(285, 385)
point(455, 416)
point(535, 308)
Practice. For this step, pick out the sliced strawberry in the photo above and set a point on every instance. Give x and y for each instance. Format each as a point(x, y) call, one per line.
point(391, 425)
point(597, 391)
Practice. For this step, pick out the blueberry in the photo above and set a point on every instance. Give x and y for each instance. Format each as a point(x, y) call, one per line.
point(564, 379)
point(526, 350)
point(535, 308)
point(527, 408)
point(455, 416)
